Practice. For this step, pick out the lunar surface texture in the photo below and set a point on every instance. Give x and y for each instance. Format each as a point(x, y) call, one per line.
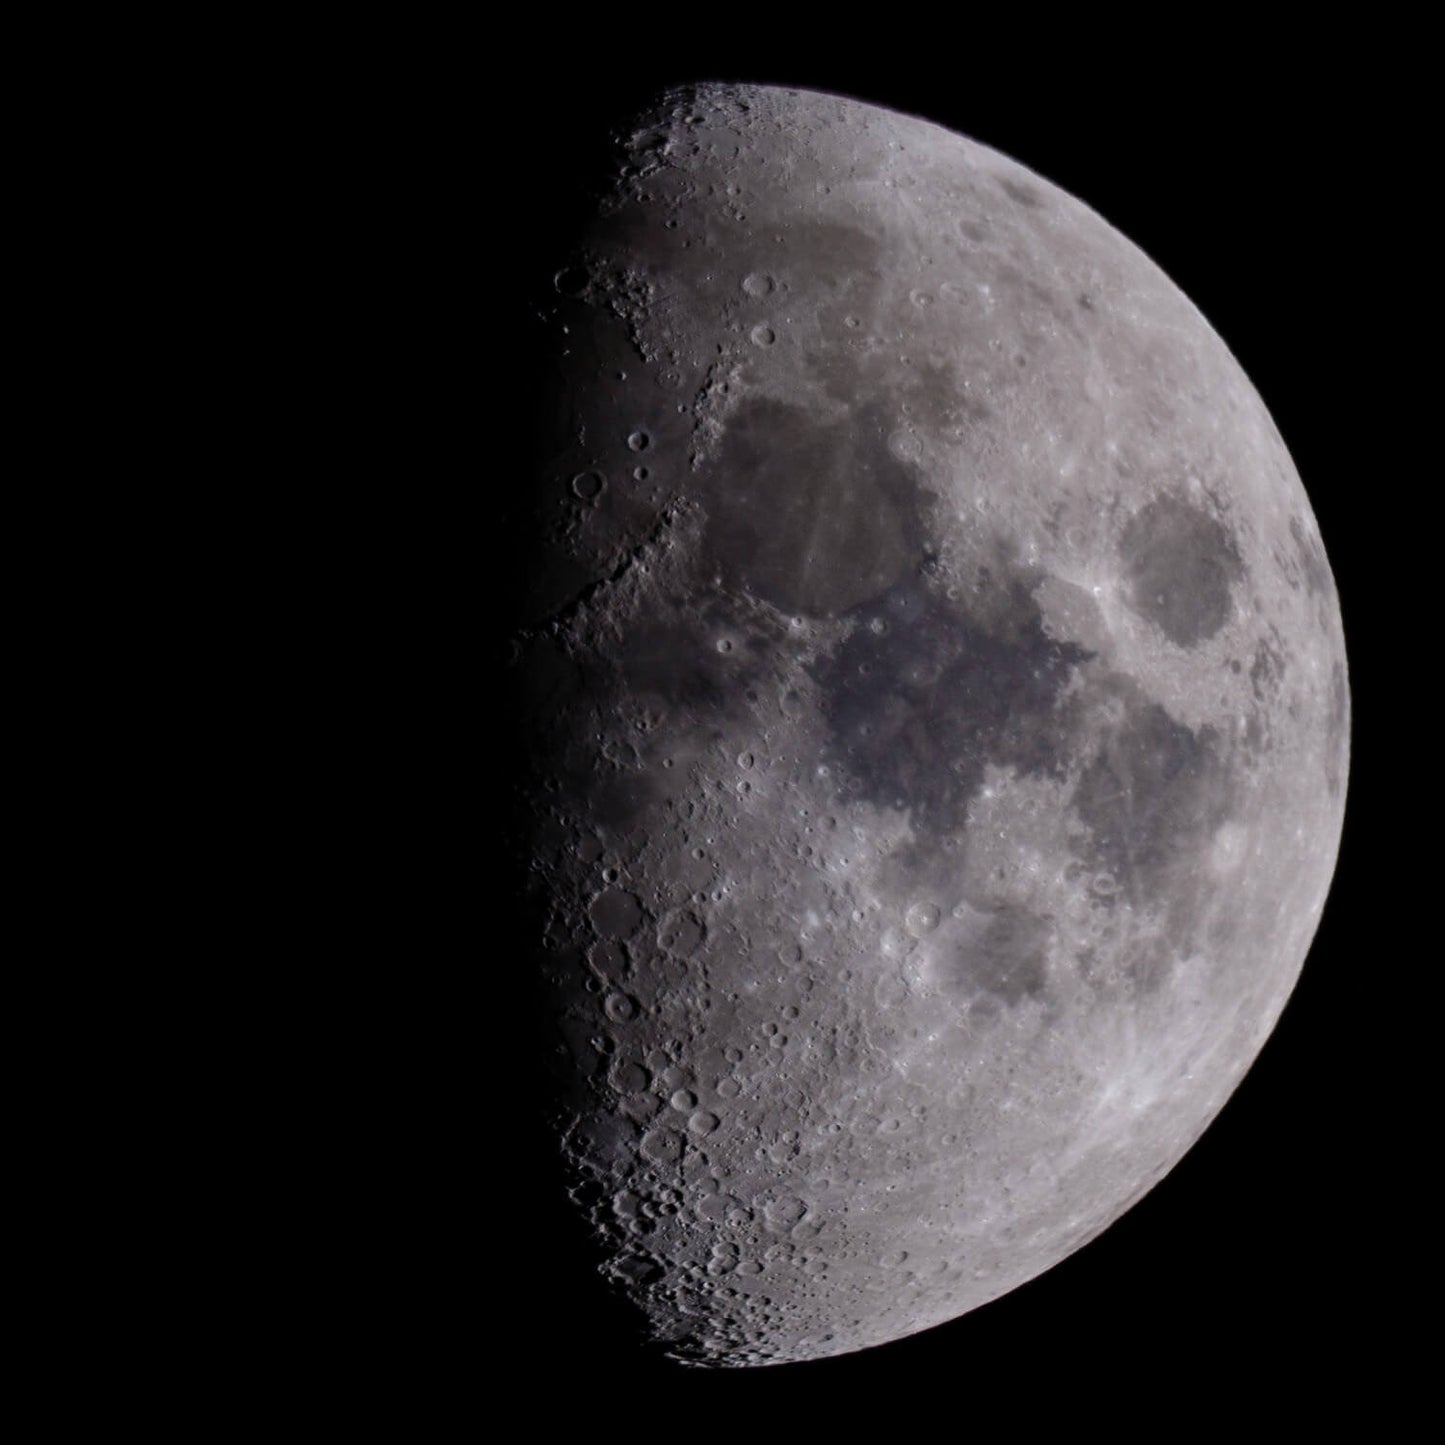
point(936, 722)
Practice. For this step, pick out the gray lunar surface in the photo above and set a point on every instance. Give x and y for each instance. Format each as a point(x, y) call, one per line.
point(938, 716)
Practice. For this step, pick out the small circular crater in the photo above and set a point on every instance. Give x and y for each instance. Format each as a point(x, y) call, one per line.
point(619, 1008)
point(662, 1146)
point(680, 934)
point(784, 1211)
point(922, 919)
point(615, 913)
point(629, 1078)
point(571, 281)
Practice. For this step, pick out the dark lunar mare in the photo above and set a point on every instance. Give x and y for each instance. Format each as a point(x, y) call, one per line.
point(921, 697)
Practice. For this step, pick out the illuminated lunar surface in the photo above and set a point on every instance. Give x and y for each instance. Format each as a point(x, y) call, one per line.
point(937, 716)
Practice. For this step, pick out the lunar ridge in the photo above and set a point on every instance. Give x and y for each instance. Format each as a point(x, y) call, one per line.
point(937, 720)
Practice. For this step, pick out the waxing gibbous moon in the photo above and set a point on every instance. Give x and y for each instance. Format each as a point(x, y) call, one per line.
point(937, 723)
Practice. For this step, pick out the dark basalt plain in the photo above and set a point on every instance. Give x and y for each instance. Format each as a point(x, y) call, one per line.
point(936, 715)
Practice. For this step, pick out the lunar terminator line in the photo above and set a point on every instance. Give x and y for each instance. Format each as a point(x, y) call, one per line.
point(938, 718)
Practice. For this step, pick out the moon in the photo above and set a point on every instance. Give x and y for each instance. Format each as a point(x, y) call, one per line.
point(938, 724)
